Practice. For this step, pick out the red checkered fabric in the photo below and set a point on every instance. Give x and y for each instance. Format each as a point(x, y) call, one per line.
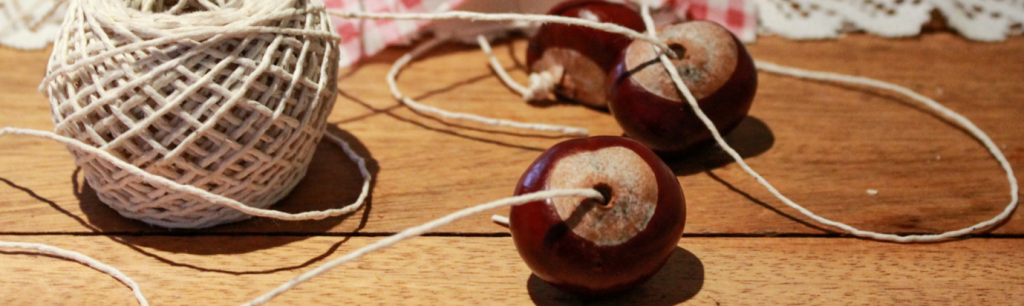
point(739, 16)
point(362, 38)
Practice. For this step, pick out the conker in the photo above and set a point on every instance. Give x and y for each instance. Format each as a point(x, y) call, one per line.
point(579, 58)
point(714, 65)
point(590, 247)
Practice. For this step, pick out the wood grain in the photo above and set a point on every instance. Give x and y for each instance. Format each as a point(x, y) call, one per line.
point(822, 144)
point(228, 270)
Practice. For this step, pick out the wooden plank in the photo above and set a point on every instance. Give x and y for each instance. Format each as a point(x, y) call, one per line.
point(228, 270)
point(823, 145)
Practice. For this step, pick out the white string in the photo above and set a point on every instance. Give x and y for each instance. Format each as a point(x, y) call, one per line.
point(938, 108)
point(79, 257)
point(498, 69)
point(499, 219)
point(474, 16)
point(419, 230)
point(443, 114)
point(206, 195)
point(541, 84)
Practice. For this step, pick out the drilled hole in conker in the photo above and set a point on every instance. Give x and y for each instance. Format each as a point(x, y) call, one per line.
point(678, 49)
point(606, 192)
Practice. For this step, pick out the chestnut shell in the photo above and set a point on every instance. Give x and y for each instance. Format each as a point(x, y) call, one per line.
point(560, 257)
point(600, 47)
point(671, 127)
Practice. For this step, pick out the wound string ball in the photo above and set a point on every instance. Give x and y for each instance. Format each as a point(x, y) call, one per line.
point(230, 98)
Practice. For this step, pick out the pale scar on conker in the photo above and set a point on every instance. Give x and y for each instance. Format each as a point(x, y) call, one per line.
point(708, 59)
point(713, 65)
point(591, 246)
point(633, 191)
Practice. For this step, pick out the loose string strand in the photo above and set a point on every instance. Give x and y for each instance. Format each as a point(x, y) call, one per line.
point(419, 230)
point(81, 258)
point(392, 80)
point(499, 219)
point(541, 84)
point(959, 119)
point(499, 70)
point(963, 121)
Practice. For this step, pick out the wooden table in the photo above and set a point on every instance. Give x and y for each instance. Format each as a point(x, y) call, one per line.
point(822, 144)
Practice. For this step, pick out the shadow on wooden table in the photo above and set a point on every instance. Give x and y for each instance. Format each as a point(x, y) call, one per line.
point(680, 280)
point(374, 111)
point(332, 181)
point(451, 128)
point(750, 138)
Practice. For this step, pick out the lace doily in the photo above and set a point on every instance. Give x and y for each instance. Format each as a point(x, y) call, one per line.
point(984, 20)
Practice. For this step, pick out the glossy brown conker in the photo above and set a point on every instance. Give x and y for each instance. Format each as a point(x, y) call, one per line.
point(579, 58)
point(714, 65)
point(590, 247)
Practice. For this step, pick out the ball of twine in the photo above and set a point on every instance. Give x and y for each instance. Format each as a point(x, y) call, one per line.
point(230, 97)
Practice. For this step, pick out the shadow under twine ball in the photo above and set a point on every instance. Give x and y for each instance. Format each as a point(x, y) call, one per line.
point(229, 98)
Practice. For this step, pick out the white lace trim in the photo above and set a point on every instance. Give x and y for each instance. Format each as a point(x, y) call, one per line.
point(984, 20)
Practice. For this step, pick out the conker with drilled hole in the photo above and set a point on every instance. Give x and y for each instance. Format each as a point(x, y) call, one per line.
point(589, 247)
point(577, 58)
point(714, 65)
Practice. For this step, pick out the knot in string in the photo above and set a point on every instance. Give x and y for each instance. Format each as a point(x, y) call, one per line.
point(541, 86)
